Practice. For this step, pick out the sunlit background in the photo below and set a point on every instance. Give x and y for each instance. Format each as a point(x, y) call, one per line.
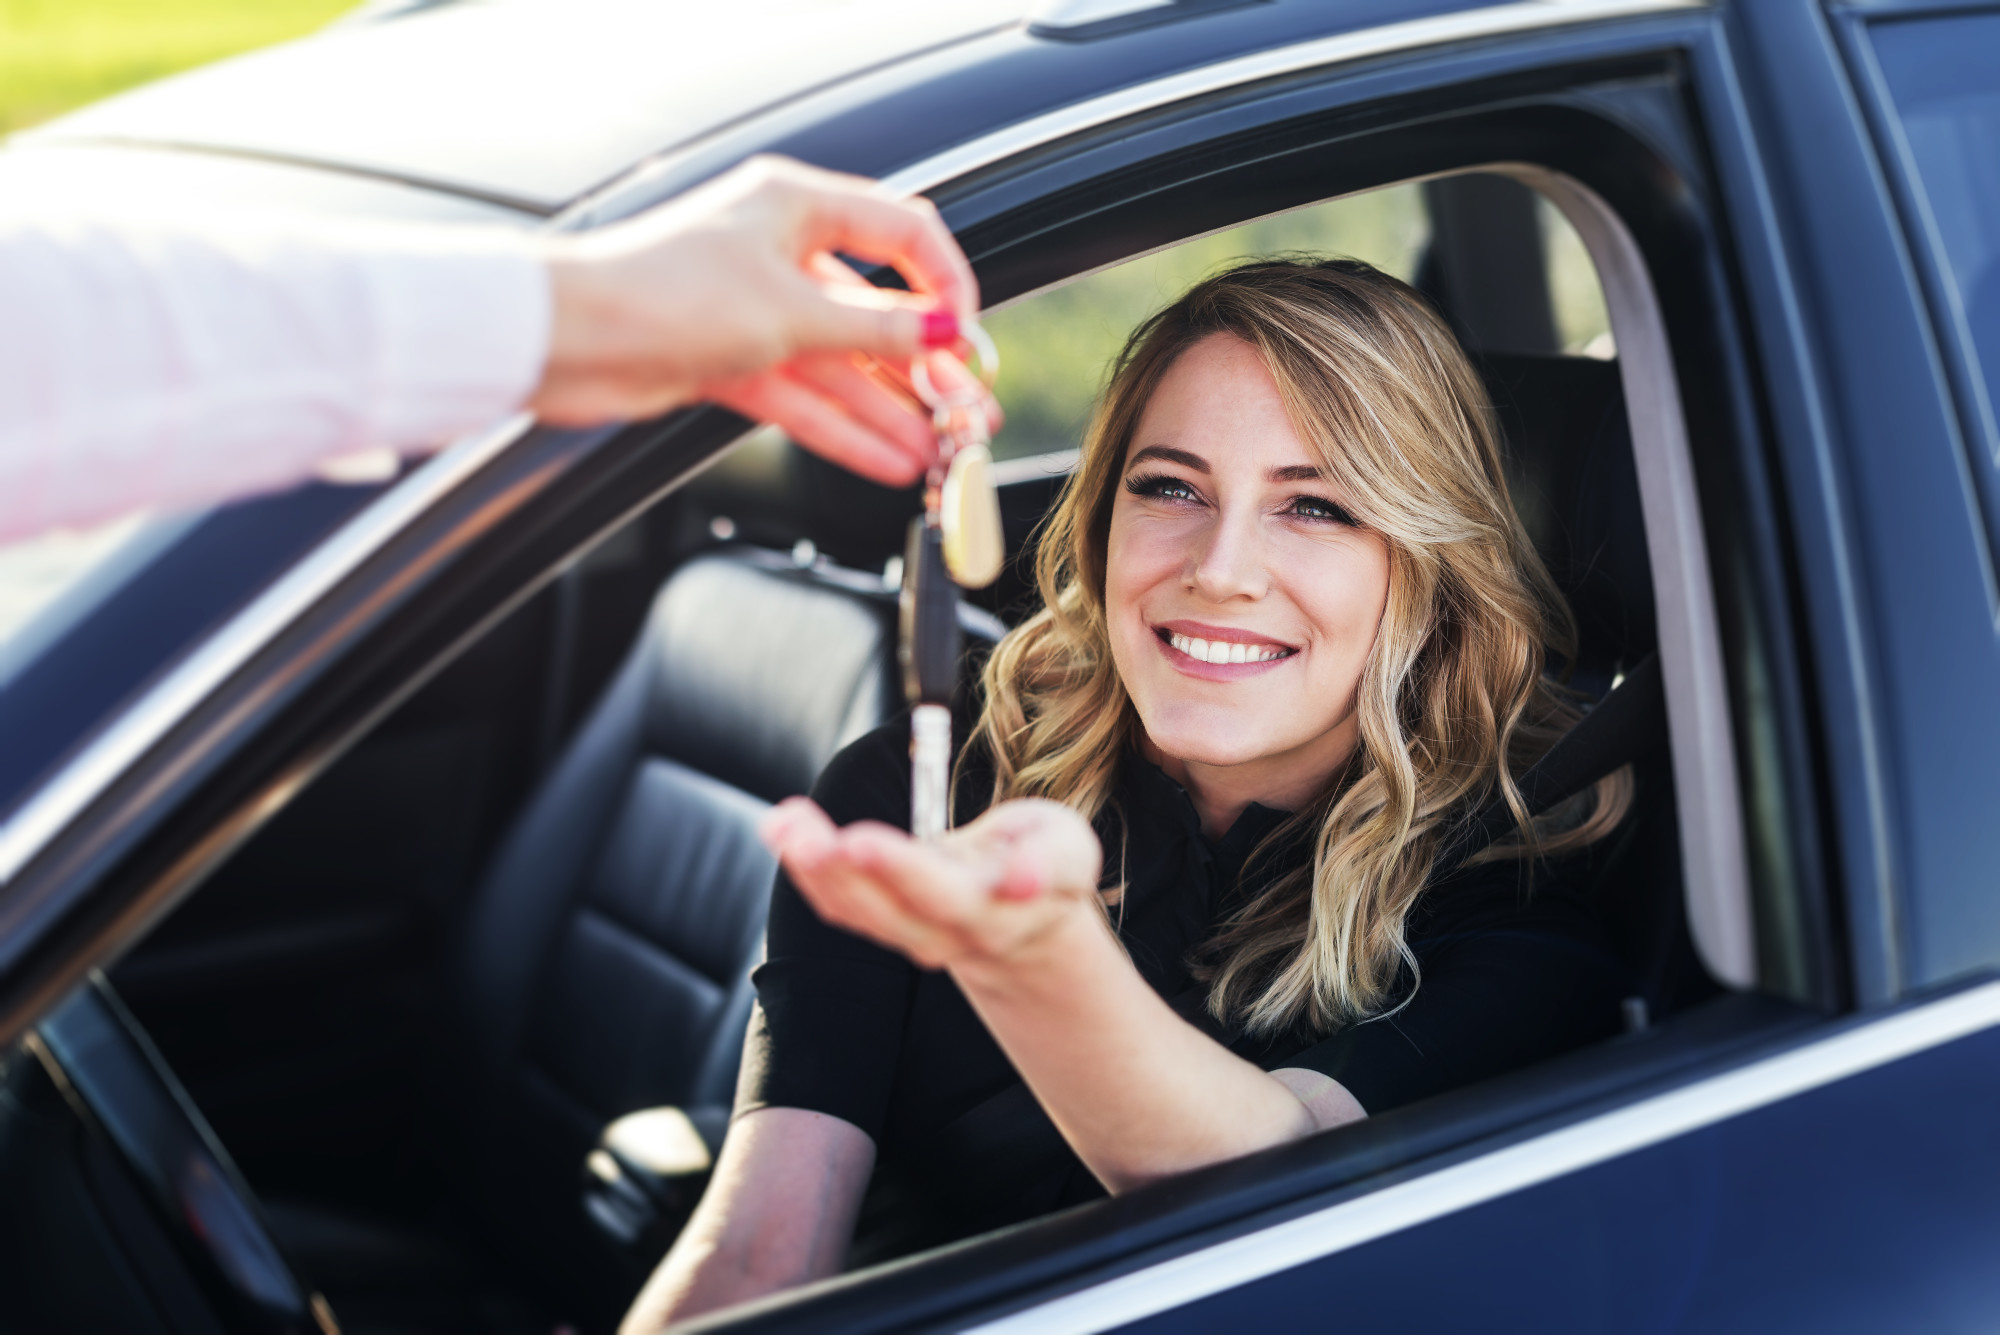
point(59, 54)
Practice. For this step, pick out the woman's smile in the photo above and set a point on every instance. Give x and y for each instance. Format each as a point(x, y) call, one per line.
point(1219, 653)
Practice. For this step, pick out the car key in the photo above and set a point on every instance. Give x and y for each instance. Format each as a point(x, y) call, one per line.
point(955, 543)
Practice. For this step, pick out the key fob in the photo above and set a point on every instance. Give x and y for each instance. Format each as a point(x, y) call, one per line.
point(928, 643)
point(969, 513)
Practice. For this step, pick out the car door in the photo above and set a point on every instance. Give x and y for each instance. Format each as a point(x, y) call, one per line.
point(1816, 1165)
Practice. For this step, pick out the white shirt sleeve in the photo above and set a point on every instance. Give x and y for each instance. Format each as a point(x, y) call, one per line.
point(168, 365)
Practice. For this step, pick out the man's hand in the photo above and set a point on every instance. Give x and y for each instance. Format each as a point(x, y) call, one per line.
point(734, 293)
point(983, 897)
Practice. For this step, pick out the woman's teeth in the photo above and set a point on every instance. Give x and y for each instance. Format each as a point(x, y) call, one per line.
point(1225, 651)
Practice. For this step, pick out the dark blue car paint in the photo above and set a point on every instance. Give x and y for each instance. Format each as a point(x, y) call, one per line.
point(1872, 1205)
point(1918, 555)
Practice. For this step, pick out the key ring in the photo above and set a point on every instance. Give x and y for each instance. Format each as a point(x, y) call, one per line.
point(942, 405)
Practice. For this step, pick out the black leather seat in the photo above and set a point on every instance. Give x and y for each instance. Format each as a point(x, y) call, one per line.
point(604, 964)
point(1576, 488)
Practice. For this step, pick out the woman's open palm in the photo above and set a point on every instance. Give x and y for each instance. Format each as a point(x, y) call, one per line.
point(986, 893)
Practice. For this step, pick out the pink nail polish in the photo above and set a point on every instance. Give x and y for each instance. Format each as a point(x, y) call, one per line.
point(940, 328)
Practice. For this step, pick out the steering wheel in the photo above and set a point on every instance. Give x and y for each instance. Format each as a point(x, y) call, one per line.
point(118, 1083)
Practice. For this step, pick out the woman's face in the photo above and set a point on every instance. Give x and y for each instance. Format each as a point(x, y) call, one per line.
point(1242, 597)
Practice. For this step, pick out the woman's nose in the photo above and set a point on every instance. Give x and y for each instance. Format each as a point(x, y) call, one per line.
point(1228, 562)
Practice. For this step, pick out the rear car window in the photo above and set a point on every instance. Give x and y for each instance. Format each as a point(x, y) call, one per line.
point(1943, 75)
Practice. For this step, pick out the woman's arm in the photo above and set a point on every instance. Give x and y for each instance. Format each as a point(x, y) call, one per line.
point(778, 1212)
point(1007, 906)
point(1138, 1092)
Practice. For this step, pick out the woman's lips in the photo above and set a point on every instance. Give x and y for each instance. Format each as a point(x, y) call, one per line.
point(1219, 654)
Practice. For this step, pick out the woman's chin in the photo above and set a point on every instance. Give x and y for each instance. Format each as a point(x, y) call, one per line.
point(1224, 747)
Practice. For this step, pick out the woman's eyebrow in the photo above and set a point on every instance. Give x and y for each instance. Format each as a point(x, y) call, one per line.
point(1296, 473)
point(1169, 454)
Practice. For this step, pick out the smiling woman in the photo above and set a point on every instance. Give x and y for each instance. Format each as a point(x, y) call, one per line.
point(1293, 640)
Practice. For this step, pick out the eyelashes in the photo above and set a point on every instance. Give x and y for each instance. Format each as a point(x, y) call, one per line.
point(1318, 507)
point(1166, 487)
point(1159, 486)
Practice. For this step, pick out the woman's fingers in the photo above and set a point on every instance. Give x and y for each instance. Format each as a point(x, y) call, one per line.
point(857, 217)
point(822, 425)
point(845, 889)
point(850, 381)
point(983, 891)
point(1042, 845)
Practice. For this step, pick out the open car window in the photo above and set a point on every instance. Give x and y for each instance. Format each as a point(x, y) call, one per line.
point(1057, 345)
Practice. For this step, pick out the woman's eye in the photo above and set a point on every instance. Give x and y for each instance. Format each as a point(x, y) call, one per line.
point(1158, 486)
point(1315, 507)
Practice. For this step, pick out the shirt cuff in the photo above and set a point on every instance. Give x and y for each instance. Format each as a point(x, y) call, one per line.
point(464, 326)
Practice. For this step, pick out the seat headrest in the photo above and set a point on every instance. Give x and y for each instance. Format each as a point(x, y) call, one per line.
point(761, 672)
point(1576, 489)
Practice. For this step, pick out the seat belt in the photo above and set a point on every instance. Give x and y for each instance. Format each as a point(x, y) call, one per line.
point(1628, 724)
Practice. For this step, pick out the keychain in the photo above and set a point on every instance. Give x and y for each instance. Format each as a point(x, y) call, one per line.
point(956, 543)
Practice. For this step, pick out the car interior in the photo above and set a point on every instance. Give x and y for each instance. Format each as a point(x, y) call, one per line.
point(466, 1014)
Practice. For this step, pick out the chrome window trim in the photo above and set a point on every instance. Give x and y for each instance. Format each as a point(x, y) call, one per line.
point(59, 801)
point(1389, 39)
point(1714, 856)
point(1035, 467)
point(1407, 1204)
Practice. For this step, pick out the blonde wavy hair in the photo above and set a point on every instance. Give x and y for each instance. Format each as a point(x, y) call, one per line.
point(1454, 700)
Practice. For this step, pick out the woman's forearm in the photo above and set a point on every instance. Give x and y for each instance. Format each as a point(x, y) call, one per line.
point(1138, 1092)
point(778, 1213)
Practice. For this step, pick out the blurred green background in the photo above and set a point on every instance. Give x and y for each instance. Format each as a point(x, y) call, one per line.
point(59, 54)
point(1056, 346)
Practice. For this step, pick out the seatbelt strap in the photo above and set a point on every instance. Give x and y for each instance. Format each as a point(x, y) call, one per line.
point(1627, 725)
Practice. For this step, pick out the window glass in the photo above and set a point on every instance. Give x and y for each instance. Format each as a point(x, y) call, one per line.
point(1056, 346)
point(1582, 323)
point(90, 617)
point(1944, 75)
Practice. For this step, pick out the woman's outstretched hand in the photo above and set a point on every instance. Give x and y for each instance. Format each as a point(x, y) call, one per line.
point(1008, 905)
point(735, 293)
point(991, 893)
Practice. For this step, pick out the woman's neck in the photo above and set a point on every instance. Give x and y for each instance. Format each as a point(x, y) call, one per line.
point(1287, 782)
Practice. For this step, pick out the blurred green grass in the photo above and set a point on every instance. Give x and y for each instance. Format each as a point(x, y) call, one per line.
point(1056, 347)
point(60, 54)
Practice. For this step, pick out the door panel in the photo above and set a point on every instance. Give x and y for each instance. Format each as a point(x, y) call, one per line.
point(1864, 1206)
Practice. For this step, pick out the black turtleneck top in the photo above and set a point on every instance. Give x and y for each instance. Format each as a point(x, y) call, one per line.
point(1513, 970)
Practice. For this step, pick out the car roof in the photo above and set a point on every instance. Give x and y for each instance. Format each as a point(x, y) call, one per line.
point(523, 102)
